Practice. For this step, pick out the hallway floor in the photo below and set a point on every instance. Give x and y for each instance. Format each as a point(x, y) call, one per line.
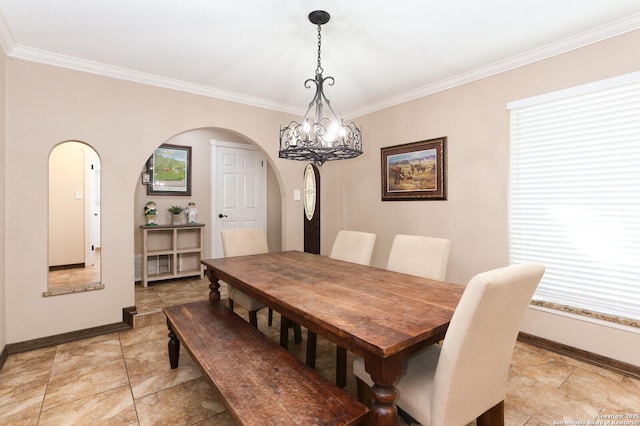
point(124, 378)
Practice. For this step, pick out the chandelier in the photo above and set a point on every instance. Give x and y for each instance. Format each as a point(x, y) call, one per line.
point(320, 138)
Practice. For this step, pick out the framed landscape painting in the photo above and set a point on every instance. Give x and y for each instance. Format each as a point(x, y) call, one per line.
point(170, 170)
point(415, 171)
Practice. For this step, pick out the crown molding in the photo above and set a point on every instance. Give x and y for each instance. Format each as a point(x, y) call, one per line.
point(586, 38)
point(6, 36)
point(49, 58)
point(595, 35)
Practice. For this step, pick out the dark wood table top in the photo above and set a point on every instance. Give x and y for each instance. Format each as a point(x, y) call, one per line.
point(362, 308)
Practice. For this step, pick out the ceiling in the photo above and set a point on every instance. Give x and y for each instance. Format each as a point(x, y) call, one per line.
point(260, 52)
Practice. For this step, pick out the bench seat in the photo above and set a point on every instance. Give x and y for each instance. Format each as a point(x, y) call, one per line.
point(259, 382)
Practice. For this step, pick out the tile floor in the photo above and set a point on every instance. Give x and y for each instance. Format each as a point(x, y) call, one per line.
point(75, 277)
point(124, 379)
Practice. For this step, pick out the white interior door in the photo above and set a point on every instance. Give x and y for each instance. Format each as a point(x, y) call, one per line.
point(92, 204)
point(240, 189)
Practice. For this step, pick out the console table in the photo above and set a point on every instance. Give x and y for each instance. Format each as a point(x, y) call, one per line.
point(176, 251)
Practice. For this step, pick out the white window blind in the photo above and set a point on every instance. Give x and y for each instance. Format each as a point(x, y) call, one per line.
point(575, 194)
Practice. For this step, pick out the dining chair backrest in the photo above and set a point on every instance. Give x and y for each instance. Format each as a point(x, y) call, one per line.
point(244, 241)
point(353, 246)
point(418, 255)
point(472, 370)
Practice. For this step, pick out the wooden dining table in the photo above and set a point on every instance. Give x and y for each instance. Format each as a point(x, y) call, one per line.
point(380, 315)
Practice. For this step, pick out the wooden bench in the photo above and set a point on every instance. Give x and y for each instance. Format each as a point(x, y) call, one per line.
point(259, 382)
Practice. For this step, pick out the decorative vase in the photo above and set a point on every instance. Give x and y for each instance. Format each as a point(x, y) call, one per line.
point(176, 219)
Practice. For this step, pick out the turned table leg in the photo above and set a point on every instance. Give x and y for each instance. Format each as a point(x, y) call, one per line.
point(174, 347)
point(214, 286)
point(384, 372)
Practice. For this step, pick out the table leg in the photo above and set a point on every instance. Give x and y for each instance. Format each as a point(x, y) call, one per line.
point(384, 372)
point(493, 416)
point(214, 286)
point(174, 347)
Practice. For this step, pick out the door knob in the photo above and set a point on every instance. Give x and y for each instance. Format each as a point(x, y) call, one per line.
point(222, 215)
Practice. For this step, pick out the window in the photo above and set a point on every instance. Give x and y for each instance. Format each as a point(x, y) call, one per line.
point(575, 195)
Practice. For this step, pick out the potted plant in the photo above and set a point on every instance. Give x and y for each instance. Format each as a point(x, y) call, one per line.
point(175, 212)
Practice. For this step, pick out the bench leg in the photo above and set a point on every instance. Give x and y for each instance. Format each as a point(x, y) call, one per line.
point(174, 348)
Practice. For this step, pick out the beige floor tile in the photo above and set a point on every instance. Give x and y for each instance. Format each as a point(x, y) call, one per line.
point(77, 355)
point(515, 417)
point(611, 393)
point(585, 366)
point(28, 361)
point(222, 419)
point(25, 412)
point(86, 342)
point(85, 382)
point(539, 366)
point(146, 352)
point(147, 299)
point(547, 403)
point(177, 292)
point(113, 407)
point(22, 386)
point(185, 404)
point(151, 318)
point(142, 334)
point(154, 377)
point(531, 422)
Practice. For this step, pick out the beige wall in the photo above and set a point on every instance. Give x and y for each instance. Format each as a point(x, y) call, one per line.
point(3, 169)
point(475, 216)
point(125, 121)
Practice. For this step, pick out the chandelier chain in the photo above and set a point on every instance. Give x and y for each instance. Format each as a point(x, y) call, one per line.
point(319, 69)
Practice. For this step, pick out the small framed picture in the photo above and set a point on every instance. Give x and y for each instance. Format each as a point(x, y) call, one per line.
point(415, 171)
point(146, 178)
point(169, 170)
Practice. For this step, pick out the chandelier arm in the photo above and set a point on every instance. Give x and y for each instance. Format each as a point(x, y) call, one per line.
point(331, 82)
point(315, 98)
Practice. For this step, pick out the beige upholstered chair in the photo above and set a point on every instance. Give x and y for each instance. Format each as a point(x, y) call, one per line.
point(243, 242)
point(417, 255)
point(354, 247)
point(466, 377)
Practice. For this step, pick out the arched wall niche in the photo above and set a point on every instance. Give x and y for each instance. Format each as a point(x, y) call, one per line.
point(74, 249)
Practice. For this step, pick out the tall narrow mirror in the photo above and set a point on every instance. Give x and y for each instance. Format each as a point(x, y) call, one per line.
point(74, 219)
